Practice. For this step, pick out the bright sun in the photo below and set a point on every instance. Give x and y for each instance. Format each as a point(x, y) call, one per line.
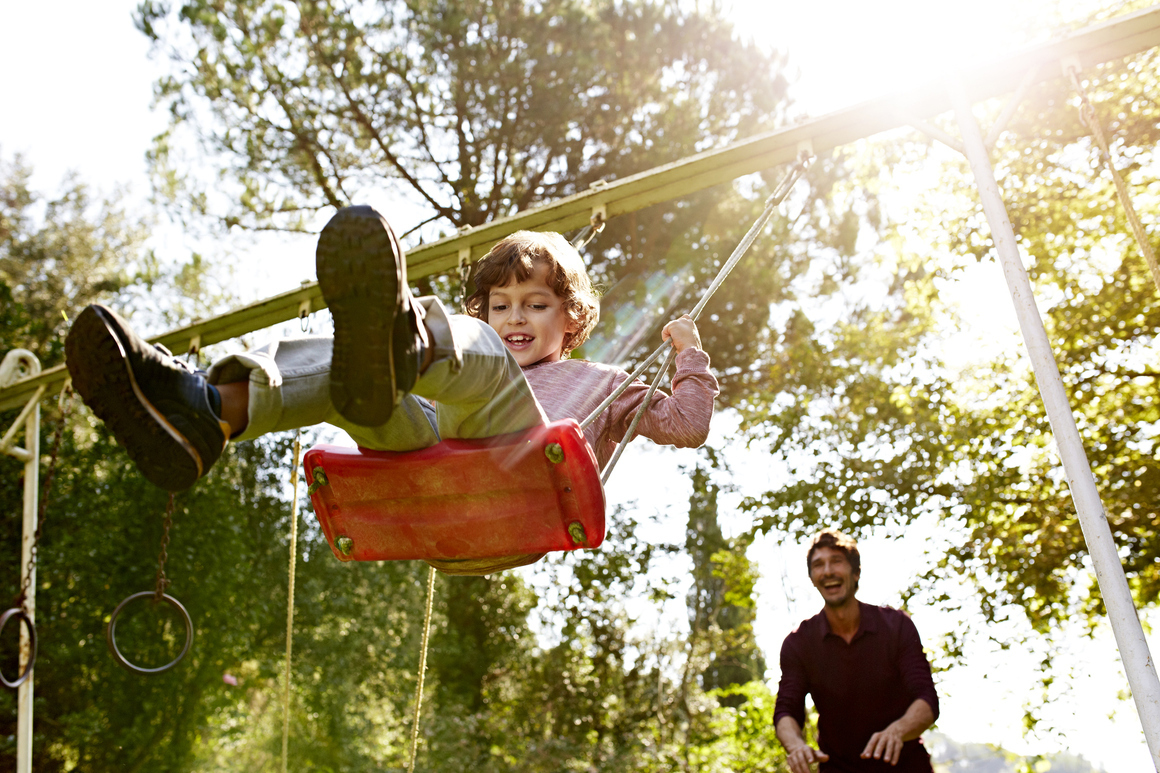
point(847, 51)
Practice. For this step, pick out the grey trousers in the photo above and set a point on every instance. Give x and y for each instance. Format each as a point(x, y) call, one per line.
point(477, 387)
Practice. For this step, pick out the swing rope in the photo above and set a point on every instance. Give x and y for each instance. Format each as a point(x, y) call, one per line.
point(1087, 114)
point(290, 600)
point(422, 668)
point(582, 240)
point(778, 195)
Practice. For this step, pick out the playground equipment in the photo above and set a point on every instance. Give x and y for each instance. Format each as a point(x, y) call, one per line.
point(1121, 37)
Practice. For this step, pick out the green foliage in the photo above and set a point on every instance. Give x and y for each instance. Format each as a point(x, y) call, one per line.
point(76, 252)
point(742, 738)
point(721, 601)
point(846, 394)
point(875, 425)
point(476, 108)
point(1102, 316)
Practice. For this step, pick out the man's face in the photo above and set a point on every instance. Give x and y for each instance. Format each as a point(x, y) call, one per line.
point(832, 575)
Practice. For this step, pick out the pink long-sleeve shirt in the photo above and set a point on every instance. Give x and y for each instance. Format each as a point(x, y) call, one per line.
point(573, 389)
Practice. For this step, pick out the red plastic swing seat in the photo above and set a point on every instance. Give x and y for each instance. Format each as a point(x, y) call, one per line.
point(528, 492)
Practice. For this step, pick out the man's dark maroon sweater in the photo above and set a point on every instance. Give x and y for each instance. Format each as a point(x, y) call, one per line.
point(858, 688)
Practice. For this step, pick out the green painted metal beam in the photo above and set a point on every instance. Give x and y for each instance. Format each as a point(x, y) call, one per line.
point(1115, 39)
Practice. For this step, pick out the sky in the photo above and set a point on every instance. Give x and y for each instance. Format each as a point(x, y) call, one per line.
point(76, 95)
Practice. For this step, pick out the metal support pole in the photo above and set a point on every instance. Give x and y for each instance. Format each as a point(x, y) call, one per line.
point(14, 362)
point(1093, 519)
point(31, 494)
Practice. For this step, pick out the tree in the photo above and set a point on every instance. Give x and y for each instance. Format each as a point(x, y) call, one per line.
point(477, 108)
point(78, 252)
point(721, 603)
point(1103, 318)
point(472, 111)
point(103, 528)
point(875, 426)
point(611, 701)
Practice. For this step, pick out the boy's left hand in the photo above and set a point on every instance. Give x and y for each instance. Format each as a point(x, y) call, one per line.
point(683, 332)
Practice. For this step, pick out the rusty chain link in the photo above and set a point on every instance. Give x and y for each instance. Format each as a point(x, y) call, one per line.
point(1087, 115)
point(162, 580)
point(464, 278)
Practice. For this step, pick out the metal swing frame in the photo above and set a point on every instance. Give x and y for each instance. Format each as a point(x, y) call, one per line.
point(1121, 37)
point(15, 362)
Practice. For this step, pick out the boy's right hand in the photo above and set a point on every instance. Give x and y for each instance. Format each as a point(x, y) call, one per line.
point(683, 333)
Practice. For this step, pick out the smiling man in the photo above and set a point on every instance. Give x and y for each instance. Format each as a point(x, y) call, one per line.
point(866, 671)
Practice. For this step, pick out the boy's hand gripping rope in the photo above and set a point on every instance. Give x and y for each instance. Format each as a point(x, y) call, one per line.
point(778, 195)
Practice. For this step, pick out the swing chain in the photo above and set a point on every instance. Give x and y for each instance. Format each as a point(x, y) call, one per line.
point(464, 277)
point(1087, 115)
point(64, 402)
point(594, 228)
point(162, 580)
point(1087, 112)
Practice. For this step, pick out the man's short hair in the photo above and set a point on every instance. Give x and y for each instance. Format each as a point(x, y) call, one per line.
point(832, 538)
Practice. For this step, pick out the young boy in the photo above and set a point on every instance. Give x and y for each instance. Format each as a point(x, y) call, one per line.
point(502, 369)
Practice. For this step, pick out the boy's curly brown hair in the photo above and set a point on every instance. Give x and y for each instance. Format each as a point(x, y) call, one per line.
point(514, 259)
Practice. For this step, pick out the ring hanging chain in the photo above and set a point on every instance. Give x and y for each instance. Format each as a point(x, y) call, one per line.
point(163, 581)
point(1087, 113)
point(159, 596)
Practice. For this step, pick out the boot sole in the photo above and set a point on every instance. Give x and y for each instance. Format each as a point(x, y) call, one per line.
point(362, 276)
point(103, 377)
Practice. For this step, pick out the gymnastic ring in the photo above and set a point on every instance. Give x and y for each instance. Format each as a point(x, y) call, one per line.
point(20, 614)
point(111, 634)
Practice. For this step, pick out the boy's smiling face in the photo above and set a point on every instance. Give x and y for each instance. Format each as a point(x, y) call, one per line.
point(530, 318)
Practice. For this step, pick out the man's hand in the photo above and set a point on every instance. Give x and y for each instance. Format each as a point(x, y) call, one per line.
point(885, 745)
point(684, 333)
point(804, 757)
point(799, 754)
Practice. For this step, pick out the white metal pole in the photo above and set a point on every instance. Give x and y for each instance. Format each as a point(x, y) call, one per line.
point(1093, 519)
point(16, 364)
point(28, 569)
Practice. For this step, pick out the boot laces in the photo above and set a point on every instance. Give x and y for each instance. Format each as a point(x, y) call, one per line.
point(178, 363)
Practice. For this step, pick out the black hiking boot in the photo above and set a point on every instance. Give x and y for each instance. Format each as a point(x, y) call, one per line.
point(379, 336)
point(156, 406)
